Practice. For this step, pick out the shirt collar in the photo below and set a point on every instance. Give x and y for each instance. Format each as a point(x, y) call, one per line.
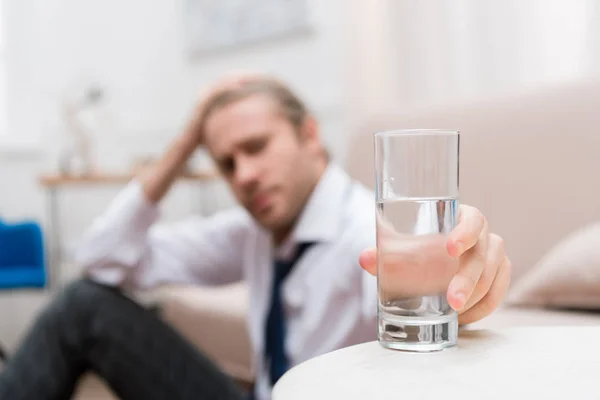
point(321, 218)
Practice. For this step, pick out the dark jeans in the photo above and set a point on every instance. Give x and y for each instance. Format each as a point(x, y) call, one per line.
point(90, 327)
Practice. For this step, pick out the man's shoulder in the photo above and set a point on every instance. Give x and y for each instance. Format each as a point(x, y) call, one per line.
point(361, 205)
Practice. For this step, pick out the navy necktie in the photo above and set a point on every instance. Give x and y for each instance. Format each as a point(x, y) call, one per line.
point(275, 356)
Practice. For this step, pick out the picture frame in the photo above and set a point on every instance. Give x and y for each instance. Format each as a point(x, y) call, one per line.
point(217, 25)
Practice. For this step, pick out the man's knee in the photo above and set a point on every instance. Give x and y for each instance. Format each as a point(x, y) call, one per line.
point(82, 296)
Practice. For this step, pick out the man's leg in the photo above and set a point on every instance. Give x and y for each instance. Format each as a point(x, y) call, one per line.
point(92, 327)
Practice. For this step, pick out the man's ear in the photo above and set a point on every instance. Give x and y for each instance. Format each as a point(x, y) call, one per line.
point(310, 129)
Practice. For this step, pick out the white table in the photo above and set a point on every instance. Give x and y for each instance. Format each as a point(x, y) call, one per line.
point(516, 363)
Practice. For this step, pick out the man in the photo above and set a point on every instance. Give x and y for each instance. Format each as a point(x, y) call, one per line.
point(297, 209)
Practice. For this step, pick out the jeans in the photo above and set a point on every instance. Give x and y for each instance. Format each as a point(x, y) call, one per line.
point(91, 327)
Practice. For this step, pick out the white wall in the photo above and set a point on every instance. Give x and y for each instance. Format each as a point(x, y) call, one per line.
point(363, 56)
point(134, 49)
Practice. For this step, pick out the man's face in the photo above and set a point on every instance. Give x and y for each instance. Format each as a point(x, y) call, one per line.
point(271, 167)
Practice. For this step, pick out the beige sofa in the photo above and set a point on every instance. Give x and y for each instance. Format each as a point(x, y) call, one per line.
point(530, 162)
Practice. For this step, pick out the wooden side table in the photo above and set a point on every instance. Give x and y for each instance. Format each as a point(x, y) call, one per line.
point(516, 363)
point(53, 185)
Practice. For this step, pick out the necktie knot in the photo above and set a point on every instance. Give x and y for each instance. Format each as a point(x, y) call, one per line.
point(284, 267)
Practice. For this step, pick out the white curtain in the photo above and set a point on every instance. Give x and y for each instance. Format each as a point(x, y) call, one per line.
point(432, 52)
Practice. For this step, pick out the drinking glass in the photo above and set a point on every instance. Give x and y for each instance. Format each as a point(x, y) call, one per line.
point(417, 195)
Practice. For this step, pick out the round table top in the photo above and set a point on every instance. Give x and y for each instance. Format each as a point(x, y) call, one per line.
point(516, 363)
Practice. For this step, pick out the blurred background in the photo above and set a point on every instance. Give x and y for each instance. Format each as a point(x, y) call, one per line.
point(119, 79)
point(348, 59)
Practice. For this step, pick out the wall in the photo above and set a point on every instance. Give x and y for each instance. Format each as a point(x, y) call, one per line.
point(134, 49)
point(362, 57)
point(431, 53)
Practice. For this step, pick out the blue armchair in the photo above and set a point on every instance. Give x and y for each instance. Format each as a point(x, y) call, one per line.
point(22, 262)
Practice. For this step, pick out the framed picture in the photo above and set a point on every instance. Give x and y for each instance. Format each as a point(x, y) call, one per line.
point(212, 25)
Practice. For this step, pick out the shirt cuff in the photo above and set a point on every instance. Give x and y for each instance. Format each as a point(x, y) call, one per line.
point(369, 288)
point(132, 207)
point(110, 276)
point(119, 235)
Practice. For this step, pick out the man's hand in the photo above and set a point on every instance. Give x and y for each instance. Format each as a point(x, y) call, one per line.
point(194, 128)
point(471, 259)
point(158, 181)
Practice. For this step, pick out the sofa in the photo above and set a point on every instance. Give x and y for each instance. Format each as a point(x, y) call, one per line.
point(529, 161)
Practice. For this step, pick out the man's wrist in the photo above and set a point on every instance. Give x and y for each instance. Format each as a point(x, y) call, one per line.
point(187, 143)
point(190, 137)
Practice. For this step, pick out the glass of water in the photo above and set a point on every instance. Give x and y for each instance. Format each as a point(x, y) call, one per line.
point(417, 207)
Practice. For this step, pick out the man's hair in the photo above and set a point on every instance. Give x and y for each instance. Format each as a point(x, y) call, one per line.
point(290, 105)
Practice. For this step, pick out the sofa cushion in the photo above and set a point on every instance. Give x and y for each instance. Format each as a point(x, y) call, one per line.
point(214, 320)
point(568, 276)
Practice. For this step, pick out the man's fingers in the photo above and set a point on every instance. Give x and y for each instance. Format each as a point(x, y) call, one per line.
point(471, 266)
point(411, 266)
point(467, 232)
point(493, 259)
point(492, 299)
point(368, 260)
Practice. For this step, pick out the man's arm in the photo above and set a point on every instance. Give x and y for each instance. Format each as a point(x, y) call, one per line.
point(124, 247)
point(159, 180)
point(120, 246)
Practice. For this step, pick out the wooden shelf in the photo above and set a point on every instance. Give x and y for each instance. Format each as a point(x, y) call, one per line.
point(111, 178)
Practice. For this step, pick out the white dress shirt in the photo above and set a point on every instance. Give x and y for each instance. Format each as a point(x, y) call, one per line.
point(330, 302)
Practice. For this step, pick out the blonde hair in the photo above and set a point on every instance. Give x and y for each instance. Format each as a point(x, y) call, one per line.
point(290, 105)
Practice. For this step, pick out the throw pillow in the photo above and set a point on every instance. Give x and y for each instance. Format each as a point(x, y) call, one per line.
point(567, 276)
